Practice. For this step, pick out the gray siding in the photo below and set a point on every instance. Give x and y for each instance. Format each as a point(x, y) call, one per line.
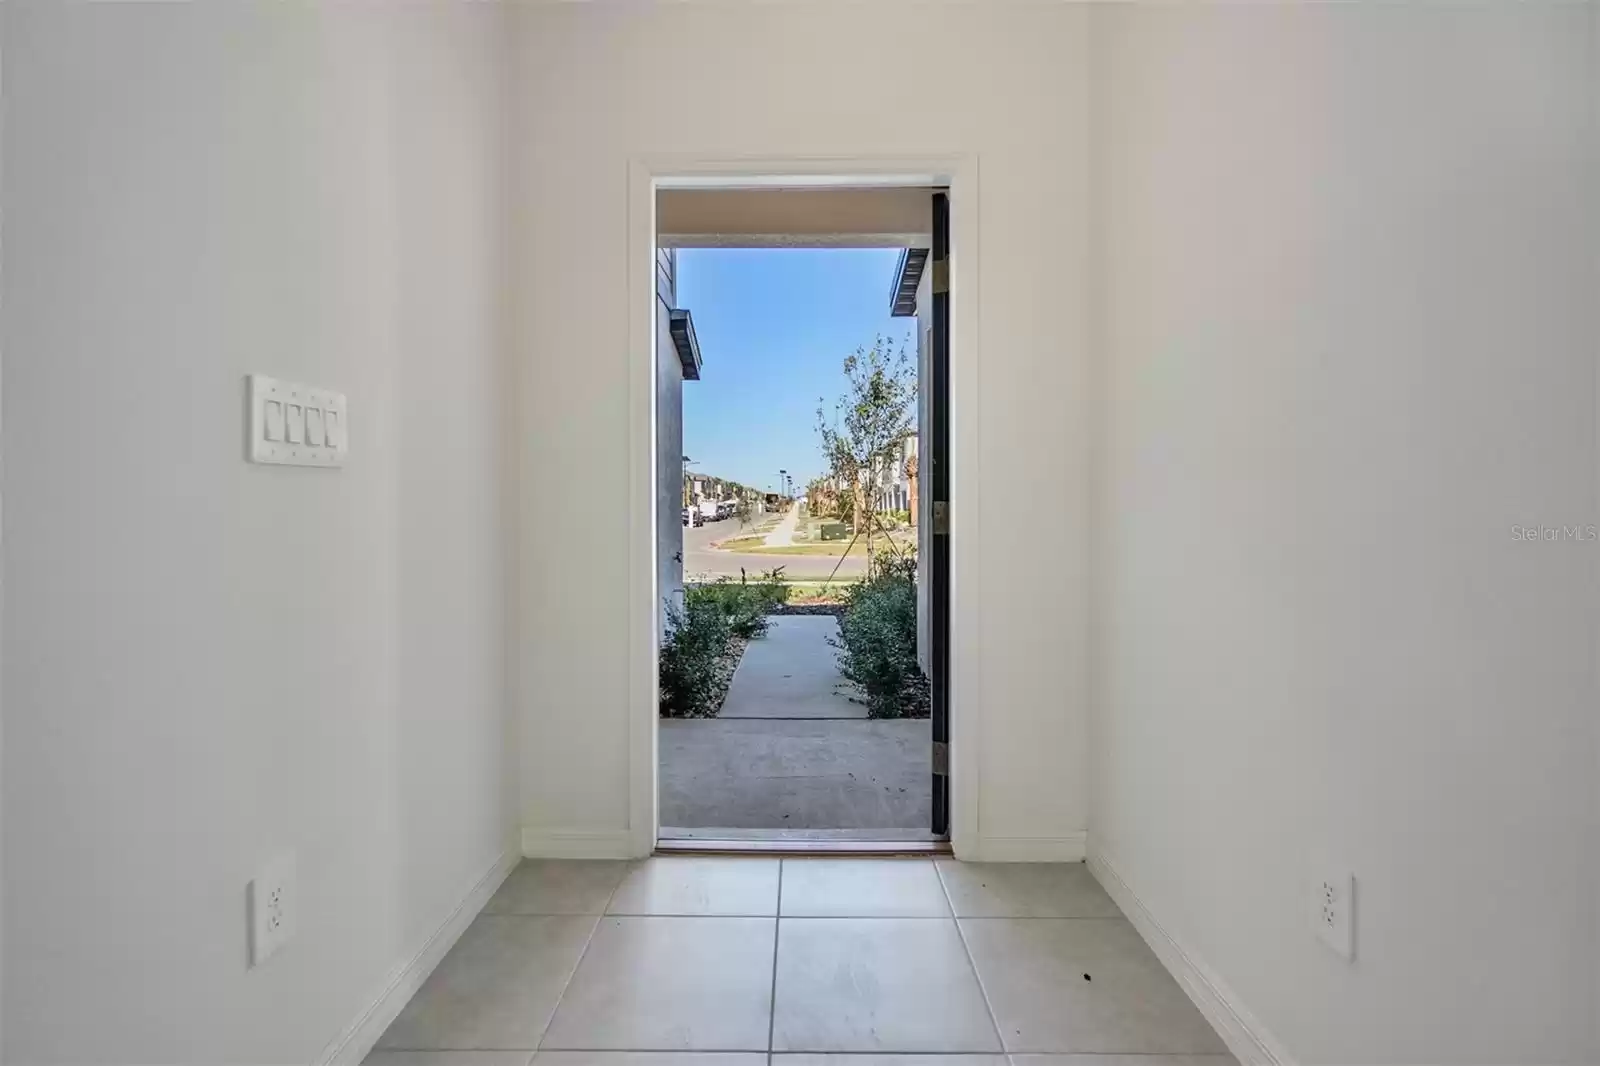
point(669, 447)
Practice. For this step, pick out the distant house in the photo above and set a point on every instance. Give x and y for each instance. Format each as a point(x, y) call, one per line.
point(894, 479)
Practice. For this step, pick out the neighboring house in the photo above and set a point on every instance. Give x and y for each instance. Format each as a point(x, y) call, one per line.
point(894, 478)
point(697, 487)
point(677, 361)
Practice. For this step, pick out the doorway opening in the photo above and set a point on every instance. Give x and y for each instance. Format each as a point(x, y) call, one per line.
point(802, 564)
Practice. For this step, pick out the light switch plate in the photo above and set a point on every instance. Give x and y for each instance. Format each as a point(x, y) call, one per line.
point(281, 424)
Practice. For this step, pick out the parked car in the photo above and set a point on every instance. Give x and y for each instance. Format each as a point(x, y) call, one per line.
point(693, 517)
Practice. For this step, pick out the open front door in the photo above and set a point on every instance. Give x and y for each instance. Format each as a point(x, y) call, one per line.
point(938, 545)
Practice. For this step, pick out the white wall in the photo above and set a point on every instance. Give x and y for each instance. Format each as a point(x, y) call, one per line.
point(208, 661)
point(1010, 89)
point(1347, 345)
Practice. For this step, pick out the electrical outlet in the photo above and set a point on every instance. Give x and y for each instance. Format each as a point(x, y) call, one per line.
point(1333, 910)
point(271, 909)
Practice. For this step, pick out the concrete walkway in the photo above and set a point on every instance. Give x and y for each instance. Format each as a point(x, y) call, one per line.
point(783, 534)
point(791, 752)
point(792, 672)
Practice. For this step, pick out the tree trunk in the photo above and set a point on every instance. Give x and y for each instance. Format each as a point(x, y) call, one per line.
point(859, 497)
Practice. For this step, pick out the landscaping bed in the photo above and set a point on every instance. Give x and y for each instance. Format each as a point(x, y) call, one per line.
point(835, 609)
point(707, 637)
point(722, 669)
point(877, 640)
point(744, 542)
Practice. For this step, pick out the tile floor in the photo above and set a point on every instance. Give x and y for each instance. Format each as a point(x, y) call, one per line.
point(819, 962)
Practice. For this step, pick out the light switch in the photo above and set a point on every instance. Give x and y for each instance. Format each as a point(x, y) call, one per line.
point(272, 426)
point(295, 424)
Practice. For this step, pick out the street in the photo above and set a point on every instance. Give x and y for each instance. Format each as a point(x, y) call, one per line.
point(702, 562)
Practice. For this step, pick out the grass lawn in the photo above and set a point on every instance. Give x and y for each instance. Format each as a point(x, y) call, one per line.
point(833, 548)
point(829, 548)
point(817, 592)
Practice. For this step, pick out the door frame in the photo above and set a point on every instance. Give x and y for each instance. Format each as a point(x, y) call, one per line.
point(936, 438)
point(959, 175)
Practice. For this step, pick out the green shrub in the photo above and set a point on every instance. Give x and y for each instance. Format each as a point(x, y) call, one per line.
point(693, 668)
point(744, 604)
point(771, 587)
point(705, 638)
point(877, 639)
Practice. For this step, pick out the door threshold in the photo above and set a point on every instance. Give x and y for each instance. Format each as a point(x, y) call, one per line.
point(727, 841)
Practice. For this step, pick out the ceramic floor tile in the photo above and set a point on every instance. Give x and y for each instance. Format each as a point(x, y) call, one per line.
point(699, 886)
point(558, 886)
point(447, 1058)
point(862, 888)
point(877, 984)
point(496, 988)
point(844, 1058)
point(691, 984)
point(1082, 985)
point(650, 1058)
point(1124, 1060)
point(1024, 890)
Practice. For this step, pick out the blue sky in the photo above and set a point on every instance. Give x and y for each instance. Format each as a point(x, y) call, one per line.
point(773, 326)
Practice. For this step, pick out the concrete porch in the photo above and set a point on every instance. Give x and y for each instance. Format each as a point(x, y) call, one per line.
point(791, 752)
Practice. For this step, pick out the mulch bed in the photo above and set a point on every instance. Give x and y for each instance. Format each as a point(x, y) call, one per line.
point(723, 676)
point(721, 679)
point(835, 609)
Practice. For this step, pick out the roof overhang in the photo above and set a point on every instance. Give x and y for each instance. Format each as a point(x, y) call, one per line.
point(681, 325)
point(907, 276)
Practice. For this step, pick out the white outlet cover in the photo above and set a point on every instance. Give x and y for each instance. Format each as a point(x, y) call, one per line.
point(1331, 909)
point(271, 907)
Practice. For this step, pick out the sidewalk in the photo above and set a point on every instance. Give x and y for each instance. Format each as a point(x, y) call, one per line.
point(783, 535)
point(792, 672)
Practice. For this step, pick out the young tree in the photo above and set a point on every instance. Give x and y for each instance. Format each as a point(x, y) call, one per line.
point(875, 411)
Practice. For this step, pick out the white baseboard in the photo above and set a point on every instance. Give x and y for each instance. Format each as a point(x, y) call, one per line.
point(578, 844)
point(357, 1041)
point(1067, 848)
point(1244, 1034)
